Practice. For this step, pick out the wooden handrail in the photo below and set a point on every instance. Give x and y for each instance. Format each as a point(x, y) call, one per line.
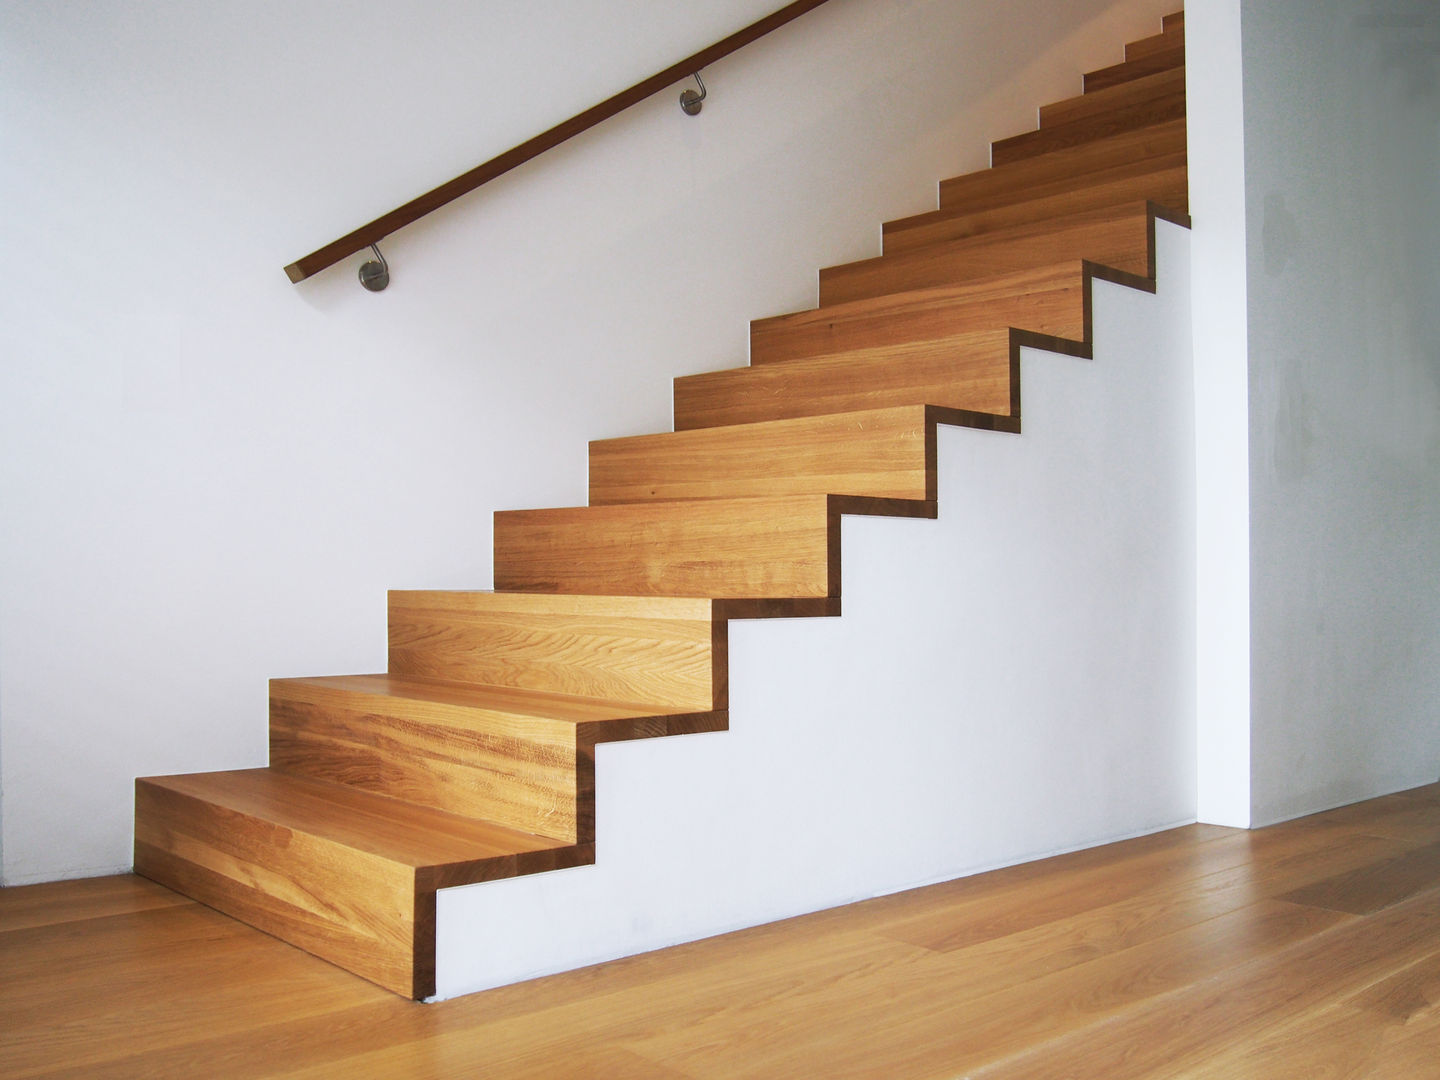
point(467, 182)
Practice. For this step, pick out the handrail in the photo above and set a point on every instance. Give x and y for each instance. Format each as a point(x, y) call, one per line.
point(465, 183)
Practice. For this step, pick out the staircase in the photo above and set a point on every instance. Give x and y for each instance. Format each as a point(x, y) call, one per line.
point(473, 758)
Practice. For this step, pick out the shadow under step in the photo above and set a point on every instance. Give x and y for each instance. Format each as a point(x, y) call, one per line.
point(757, 549)
point(341, 873)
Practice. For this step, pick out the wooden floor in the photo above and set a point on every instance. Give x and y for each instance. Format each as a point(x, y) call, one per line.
point(1310, 949)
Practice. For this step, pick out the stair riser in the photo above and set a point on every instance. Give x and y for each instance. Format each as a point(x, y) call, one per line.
point(356, 910)
point(886, 454)
point(1112, 121)
point(667, 653)
point(519, 772)
point(974, 372)
point(1121, 242)
point(1141, 150)
point(1168, 187)
point(773, 548)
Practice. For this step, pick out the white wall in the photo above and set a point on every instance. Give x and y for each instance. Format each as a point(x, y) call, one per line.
point(1342, 170)
point(210, 477)
point(1215, 125)
point(1013, 679)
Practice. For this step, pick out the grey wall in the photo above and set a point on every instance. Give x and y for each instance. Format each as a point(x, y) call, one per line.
point(1342, 165)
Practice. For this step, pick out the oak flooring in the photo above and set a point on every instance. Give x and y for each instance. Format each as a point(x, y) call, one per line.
point(1309, 949)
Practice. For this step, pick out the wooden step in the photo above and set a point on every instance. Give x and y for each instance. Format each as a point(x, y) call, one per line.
point(1046, 300)
point(663, 650)
point(1143, 150)
point(520, 758)
point(337, 871)
point(1120, 237)
point(775, 547)
point(1169, 187)
point(974, 375)
point(1126, 106)
point(1149, 64)
point(1163, 84)
point(1166, 39)
point(885, 453)
point(1174, 22)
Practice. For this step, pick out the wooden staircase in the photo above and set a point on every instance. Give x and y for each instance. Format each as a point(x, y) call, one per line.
point(473, 758)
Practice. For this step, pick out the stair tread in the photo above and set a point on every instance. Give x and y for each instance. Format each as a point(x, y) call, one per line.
point(743, 549)
point(401, 832)
point(1112, 235)
point(514, 701)
point(1065, 169)
point(662, 651)
point(1137, 68)
point(933, 299)
point(1167, 184)
point(1166, 39)
point(863, 452)
point(1137, 103)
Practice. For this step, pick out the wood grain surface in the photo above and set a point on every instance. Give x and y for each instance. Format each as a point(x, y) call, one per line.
point(1115, 236)
point(887, 453)
point(976, 372)
point(1100, 161)
point(776, 546)
point(1049, 300)
point(1167, 185)
point(1138, 68)
point(473, 757)
point(1169, 957)
point(663, 650)
point(342, 873)
point(1127, 106)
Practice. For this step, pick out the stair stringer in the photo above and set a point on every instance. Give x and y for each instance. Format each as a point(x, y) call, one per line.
point(1009, 681)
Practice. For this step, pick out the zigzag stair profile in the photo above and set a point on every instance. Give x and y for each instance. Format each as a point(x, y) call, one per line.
point(473, 758)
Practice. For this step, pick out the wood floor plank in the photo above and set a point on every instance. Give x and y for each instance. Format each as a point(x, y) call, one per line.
point(1172, 959)
point(1371, 888)
point(912, 1023)
point(1168, 1036)
point(84, 898)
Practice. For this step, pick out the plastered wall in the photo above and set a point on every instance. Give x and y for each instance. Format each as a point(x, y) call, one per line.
point(210, 477)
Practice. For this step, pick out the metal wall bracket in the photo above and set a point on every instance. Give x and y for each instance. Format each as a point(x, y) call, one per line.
point(690, 101)
point(375, 274)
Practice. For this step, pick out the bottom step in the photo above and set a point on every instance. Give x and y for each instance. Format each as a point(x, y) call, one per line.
point(342, 873)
